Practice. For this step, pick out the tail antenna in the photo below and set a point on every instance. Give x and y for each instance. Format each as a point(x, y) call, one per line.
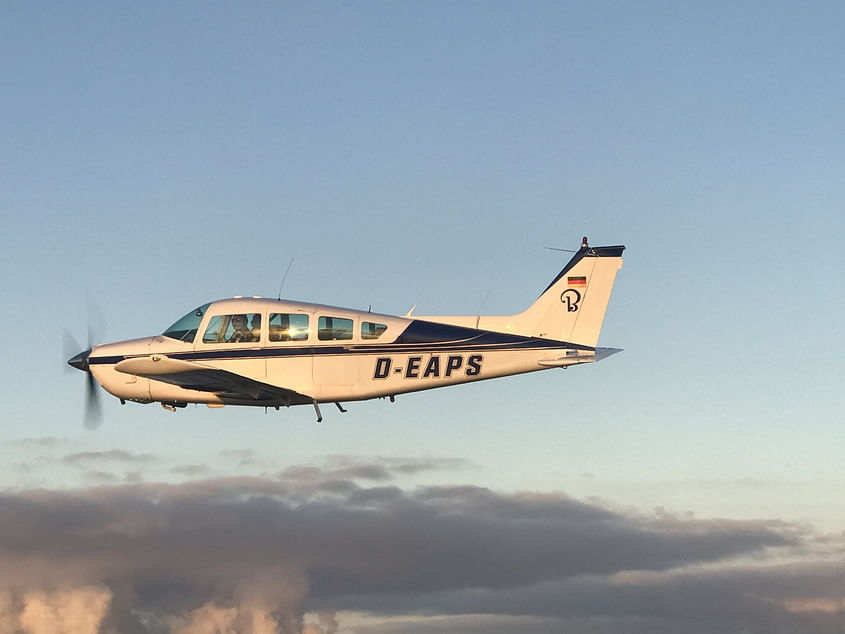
point(284, 277)
point(584, 245)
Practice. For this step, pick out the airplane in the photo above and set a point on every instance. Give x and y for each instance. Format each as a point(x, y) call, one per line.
point(276, 353)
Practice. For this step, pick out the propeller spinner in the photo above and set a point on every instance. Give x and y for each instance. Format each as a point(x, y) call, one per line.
point(93, 415)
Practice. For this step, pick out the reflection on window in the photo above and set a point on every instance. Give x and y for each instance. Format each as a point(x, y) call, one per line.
point(334, 328)
point(186, 328)
point(237, 328)
point(369, 330)
point(288, 327)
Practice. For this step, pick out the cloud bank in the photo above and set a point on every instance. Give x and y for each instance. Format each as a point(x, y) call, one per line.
point(254, 554)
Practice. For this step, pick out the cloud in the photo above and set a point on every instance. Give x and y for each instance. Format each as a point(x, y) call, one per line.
point(246, 618)
point(192, 470)
point(111, 456)
point(8, 612)
point(64, 611)
point(41, 442)
point(243, 457)
point(393, 465)
point(97, 476)
point(343, 467)
point(252, 554)
point(94, 467)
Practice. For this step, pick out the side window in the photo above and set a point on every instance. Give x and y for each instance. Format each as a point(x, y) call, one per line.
point(334, 328)
point(255, 326)
point(237, 328)
point(288, 327)
point(369, 330)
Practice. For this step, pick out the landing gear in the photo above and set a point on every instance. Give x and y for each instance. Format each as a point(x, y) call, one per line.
point(320, 415)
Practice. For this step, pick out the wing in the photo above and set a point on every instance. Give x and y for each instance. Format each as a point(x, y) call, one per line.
point(195, 376)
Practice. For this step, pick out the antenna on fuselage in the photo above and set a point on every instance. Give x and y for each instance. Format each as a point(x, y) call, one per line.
point(284, 277)
point(481, 309)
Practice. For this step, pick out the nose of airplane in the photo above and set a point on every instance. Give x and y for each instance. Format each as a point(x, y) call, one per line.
point(92, 404)
point(80, 361)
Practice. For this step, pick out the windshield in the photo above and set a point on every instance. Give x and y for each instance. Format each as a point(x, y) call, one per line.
point(185, 329)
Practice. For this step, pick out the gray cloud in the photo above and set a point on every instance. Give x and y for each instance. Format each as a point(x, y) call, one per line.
point(242, 457)
point(192, 470)
point(100, 477)
point(110, 456)
point(39, 443)
point(247, 553)
point(398, 465)
point(345, 467)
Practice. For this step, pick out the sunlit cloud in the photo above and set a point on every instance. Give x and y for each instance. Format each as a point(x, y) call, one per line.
point(255, 554)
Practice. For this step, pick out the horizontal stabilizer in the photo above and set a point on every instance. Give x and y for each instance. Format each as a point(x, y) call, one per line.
point(603, 353)
point(572, 357)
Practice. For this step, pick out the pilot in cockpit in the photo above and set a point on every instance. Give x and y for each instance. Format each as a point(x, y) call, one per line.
point(241, 332)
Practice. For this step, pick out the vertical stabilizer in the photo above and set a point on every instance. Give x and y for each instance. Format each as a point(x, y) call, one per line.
point(572, 307)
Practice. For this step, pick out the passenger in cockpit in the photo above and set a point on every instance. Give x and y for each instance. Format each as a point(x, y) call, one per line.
point(256, 327)
point(241, 333)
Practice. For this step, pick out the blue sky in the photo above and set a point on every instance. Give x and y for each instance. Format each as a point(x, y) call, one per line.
point(155, 157)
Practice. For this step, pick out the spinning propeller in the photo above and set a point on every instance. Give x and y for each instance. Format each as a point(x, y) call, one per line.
point(93, 415)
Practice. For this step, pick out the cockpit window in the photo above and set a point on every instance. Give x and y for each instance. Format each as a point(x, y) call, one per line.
point(186, 328)
point(237, 328)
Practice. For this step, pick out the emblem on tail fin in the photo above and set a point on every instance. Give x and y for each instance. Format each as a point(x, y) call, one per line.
point(570, 297)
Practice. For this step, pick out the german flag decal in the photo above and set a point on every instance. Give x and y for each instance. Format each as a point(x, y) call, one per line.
point(578, 280)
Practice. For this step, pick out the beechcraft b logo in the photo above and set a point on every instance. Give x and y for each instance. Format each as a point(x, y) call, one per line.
point(571, 297)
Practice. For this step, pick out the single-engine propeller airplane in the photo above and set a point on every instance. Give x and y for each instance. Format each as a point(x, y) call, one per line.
point(274, 353)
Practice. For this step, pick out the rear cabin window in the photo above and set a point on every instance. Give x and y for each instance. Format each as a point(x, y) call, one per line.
point(236, 328)
point(288, 327)
point(370, 330)
point(334, 329)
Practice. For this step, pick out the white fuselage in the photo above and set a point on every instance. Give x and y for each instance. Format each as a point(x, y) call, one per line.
point(265, 352)
point(407, 355)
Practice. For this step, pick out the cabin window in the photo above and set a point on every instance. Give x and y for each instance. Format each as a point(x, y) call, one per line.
point(236, 328)
point(186, 328)
point(288, 327)
point(334, 328)
point(370, 330)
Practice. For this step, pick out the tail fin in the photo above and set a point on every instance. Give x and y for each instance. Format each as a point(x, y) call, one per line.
point(572, 307)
